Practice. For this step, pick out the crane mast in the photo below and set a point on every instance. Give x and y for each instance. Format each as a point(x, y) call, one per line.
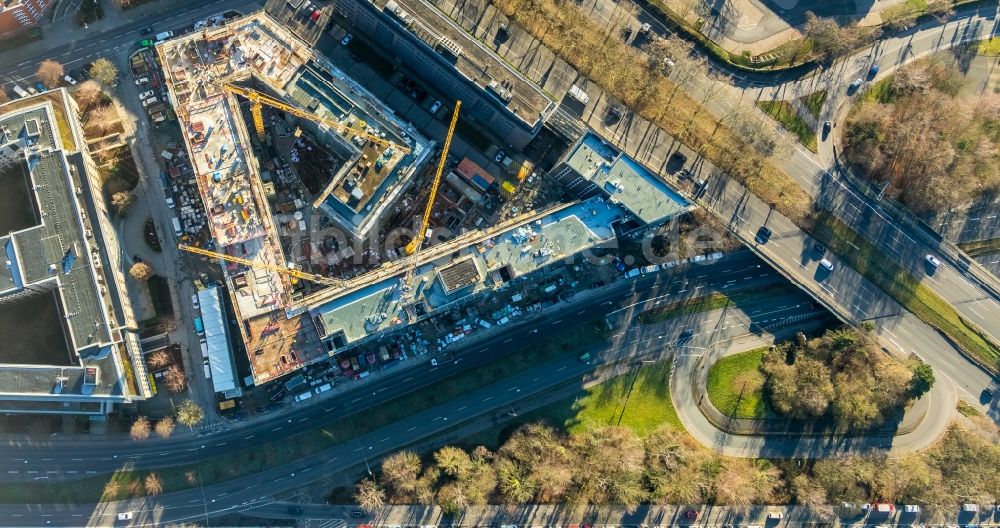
point(418, 237)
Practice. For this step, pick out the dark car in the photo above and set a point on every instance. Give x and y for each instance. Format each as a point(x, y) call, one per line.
point(686, 333)
point(763, 235)
point(146, 30)
point(357, 514)
point(873, 71)
point(819, 248)
point(295, 510)
point(826, 128)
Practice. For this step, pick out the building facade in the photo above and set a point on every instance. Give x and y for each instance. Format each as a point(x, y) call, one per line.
point(18, 15)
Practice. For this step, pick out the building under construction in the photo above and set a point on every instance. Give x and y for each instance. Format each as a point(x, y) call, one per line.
point(249, 89)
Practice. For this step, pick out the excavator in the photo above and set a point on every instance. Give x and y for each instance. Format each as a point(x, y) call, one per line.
point(258, 99)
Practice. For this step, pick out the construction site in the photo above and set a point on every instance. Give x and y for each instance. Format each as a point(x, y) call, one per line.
point(281, 145)
point(335, 221)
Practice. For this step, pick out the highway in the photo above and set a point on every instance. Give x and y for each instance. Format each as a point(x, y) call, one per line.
point(629, 343)
point(56, 458)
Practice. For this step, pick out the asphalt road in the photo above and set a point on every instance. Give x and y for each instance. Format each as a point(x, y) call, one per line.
point(52, 459)
point(653, 342)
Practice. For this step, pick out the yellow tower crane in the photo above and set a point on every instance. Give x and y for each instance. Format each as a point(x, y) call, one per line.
point(418, 237)
point(319, 279)
point(257, 99)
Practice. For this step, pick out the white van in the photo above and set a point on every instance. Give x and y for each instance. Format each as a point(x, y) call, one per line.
point(20, 91)
point(177, 225)
point(160, 37)
point(208, 370)
point(303, 397)
point(204, 348)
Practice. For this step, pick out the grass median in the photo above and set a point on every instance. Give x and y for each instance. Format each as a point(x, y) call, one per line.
point(814, 102)
point(736, 385)
point(901, 285)
point(713, 301)
point(127, 482)
point(784, 113)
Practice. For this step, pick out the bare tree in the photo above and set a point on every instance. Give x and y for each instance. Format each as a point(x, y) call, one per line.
point(140, 429)
point(165, 427)
point(50, 73)
point(831, 40)
point(111, 489)
point(104, 118)
point(153, 484)
point(189, 413)
point(158, 359)
point(174, 379)
point(87, 95)
point(400, 473)
point(104, 71)
point(4, 98)
point(122, 201)
point(369, 495)
point(141, 271)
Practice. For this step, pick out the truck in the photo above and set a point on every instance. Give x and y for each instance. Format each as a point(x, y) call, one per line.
point(576, 93)
point(160, 37)
point(20, 91)
point(177, 225)
point(199, 327)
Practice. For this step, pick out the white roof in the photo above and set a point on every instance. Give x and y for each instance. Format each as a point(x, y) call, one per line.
point(219, 358)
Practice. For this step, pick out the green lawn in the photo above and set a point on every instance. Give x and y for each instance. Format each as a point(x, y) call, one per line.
point(241, 463)
point(736, 385)
point(814, 102)
point(990, 47)
point(647, 407)
point(881, 91)
point(784, 113)
point(905, 288)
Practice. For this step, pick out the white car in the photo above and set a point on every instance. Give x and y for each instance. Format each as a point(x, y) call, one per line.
point(435, 107)
point(347, 39)
point(147, 102)
point(933, 261)
point(141, 80)
point(826, 264)
point(170, 203)
point(125, 516)
point(70, 80)
point(147, 93)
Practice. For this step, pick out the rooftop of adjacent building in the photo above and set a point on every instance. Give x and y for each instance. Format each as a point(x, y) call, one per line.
point(481, 266)
point(625, 181)
point(524, 98)
point(57, 248)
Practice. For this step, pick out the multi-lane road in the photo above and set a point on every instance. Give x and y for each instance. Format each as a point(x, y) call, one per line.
point(619, 302)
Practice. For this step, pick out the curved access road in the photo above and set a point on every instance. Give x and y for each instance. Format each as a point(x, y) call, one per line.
point(939, 412)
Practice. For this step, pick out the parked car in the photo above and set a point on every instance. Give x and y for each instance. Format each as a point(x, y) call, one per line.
point(500, 156)
point(873, 71)
point(435, 107)
point(141, 80)
point(125, 516)
point(855, 85)
point(357, 514)
point(146, 94)
point(826, 264)
point(347, 39)
point(69, 80)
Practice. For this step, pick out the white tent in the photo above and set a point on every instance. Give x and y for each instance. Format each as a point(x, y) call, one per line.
point(219, 358)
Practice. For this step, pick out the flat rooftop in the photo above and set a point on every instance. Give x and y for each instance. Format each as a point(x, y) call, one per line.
point(56, 250)
point(525, 99)
point(57, 268)
point(625, 181)
point(551, 238)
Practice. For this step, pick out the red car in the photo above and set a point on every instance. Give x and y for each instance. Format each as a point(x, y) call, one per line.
point(691, 514)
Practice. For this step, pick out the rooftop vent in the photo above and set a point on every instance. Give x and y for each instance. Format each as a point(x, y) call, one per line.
point(499, 90)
